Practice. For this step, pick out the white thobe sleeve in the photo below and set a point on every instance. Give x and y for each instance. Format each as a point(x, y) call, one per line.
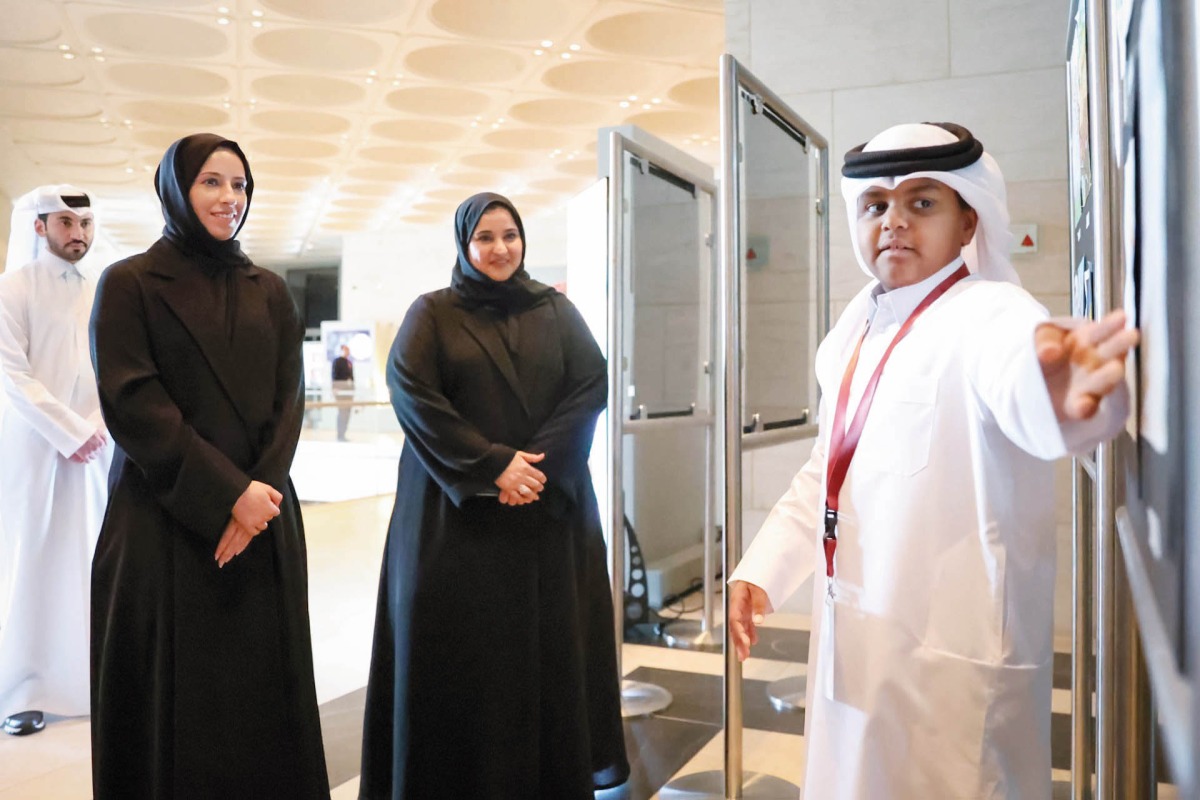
point(63, 428)
point(1009, 379)
point(781, 556)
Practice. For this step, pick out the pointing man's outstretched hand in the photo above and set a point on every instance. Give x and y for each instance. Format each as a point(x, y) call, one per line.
point(1084, 364)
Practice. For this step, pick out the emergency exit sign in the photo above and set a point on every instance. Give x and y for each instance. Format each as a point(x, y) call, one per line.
point(1025, 238)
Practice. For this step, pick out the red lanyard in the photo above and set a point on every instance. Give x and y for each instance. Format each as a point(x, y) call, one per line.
point(843, 442)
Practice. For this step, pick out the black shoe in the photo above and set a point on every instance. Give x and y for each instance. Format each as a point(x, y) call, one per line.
point(25, 723)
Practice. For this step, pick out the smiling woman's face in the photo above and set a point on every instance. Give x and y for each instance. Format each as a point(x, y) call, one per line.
point(496, 248)
point(218, 195)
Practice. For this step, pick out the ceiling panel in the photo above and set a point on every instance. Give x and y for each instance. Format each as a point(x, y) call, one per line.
point(356, 114)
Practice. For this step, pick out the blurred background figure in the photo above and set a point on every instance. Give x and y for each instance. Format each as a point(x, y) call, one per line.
point(343, 389)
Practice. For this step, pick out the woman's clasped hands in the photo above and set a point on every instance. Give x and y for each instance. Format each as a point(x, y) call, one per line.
point(257, 506)
point(521, 482)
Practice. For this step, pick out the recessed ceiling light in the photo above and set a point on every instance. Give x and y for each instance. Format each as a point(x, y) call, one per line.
point(575, 48)
point(97, 49)
point(370, 79)
point(64, 47)
point(256, 23)
point(223, 10)
point(565, 56)
point(624, 104)
point(126, 122)
point(500, 120)
point(256, 13)
point(495, 125)
point(656, 100)
point(222, 20)
point(646, 106)
point(98, 58)
point(539, 52)
point(547, 43)
point(68, 56)
point(129, 170)
point(633, 97)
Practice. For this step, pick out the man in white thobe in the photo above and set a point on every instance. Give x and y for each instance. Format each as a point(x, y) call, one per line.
point(929, 671)
point(54, 458)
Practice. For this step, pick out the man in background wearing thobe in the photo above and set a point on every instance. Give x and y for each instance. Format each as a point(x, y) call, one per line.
point(54, 458)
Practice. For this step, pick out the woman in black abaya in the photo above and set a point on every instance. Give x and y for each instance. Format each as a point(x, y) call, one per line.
point(494, 666)
point(202, 672)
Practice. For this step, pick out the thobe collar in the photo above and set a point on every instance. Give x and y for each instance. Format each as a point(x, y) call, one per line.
point(59, 267)
point(898, 304)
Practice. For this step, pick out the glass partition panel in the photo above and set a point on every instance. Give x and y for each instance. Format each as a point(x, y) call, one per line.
point(667, 321)
point(779, 241)
point(667, 325)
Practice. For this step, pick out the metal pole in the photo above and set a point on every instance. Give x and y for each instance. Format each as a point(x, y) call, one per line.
point(1135, 778)
point(637, 699)
point(1083, 658)
point(616, 396)
point(710, 590)
point(1107, 699)
point(1185, 20)
point(728, 330)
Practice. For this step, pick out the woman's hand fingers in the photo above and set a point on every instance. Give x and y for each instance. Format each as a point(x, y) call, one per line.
point(223, 545)
point(235, 539)
point(257, 505)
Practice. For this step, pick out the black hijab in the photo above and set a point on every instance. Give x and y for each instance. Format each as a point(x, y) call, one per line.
point(473, 288)
point(173, 180)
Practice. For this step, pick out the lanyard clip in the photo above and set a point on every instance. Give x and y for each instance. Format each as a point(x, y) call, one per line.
point(829, 541)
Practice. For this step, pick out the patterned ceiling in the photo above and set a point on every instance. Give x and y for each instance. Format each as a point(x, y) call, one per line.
point(357, 115)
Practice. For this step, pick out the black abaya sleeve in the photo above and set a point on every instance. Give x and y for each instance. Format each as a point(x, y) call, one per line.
point(275, 458)
point(194, 481)
point(566, 436)
point(453, 451)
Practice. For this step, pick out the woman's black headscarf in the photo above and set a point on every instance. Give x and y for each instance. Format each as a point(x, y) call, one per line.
point(173, 180)
point(476, 290)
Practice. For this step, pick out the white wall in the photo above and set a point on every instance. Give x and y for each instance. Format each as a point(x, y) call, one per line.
point(855, 67)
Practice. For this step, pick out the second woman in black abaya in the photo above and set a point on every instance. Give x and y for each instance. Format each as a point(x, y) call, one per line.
point(494, 673)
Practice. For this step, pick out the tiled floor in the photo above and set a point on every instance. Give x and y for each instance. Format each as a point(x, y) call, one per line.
point(677, 753)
